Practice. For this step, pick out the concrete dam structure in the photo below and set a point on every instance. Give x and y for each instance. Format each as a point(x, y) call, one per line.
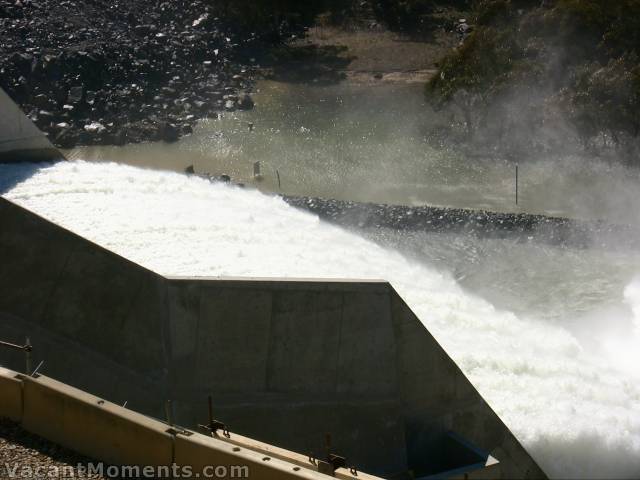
point(20, 139)
point(285, 361)
point(115, 436)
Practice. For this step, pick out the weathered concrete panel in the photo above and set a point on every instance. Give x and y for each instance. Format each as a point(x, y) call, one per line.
point(34, 252)
point(366, 363)
point(368, 431)
point(184, 316)
point(304, 342)
point(233, 338)
point(80, 366)
point(20, 139)
point(68, 285)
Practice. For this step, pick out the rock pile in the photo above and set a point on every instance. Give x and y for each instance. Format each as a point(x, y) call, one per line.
point(23, 453)
point(481, 223)
point(93, 72)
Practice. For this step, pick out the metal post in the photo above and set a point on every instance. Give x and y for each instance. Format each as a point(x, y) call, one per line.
point(516, 184)
point(327, 446)
point(210, 403)
point(27, 350)
point(35, 372)
point(167, 409)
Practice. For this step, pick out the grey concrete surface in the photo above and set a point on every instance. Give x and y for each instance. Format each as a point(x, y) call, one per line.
point(74, 288)
point(20, 139)
point(285, 361)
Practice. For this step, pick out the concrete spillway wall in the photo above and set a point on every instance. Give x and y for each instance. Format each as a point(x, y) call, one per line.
point(110, 433)
point(20, 139)
point(285, 361)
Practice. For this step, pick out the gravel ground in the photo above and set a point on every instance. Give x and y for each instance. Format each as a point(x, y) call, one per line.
point(26, 452)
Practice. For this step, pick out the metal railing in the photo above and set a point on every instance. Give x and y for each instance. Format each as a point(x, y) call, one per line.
point(27, 348)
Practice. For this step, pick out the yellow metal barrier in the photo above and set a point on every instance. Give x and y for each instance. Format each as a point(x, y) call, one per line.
point(206, 454)
point(10, 395)
point(93, 427)
point(112, 434)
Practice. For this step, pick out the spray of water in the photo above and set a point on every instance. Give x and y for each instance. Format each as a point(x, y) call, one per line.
point(577, 413)
point(632, 298)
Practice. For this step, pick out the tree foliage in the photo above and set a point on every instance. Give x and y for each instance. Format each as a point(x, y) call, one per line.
point(415, 16)
point(578, 59)
point(268, 17)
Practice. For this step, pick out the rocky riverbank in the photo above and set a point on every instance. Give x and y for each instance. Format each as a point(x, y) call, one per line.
point(482, 223)
point(89, 72)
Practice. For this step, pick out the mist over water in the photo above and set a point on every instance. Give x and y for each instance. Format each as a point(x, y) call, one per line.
point(547, 335)
point(375, 143)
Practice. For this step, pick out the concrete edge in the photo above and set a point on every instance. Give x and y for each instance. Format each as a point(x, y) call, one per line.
point(20, 139)
point(38, 217)
point(236, 282)
point(200, 452)
point(286, 283)
point(498, 455)
point(10, 395)
point(279, 279)
point(292, 457)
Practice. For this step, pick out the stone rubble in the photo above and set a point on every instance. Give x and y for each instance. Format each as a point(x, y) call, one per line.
point(90, 72)
point(24, 452)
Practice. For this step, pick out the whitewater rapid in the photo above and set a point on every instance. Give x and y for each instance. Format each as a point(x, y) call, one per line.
point(578, 415)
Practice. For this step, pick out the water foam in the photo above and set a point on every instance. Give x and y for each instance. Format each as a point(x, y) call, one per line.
point(576, 414)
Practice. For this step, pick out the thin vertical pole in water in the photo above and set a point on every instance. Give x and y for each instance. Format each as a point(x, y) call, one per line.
point(27, 352)
point(516, 184)
point(278, 175)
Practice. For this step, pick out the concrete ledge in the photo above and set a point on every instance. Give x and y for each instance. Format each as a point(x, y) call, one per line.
point(286, 283)
point(10, 395)
point(288, 456)
point(201, 452)
point(93, 427)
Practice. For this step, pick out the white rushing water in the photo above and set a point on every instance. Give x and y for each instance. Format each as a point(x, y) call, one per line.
point(578, 413)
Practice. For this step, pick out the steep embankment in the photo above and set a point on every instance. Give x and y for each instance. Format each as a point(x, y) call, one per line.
point(90, 72)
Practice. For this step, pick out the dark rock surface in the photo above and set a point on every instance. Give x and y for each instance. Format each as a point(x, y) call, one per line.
point(482, 223)
point(92, 72)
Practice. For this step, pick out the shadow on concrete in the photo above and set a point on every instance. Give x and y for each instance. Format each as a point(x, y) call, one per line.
point(11, 174)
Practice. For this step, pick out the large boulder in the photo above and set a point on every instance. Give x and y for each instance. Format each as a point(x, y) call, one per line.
point(245, 102)
point(168, 132)
point(75, 95)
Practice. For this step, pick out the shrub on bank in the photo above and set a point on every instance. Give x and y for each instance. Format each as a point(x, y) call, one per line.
point(573, 62)
point(418, 16)
point(277, 18)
